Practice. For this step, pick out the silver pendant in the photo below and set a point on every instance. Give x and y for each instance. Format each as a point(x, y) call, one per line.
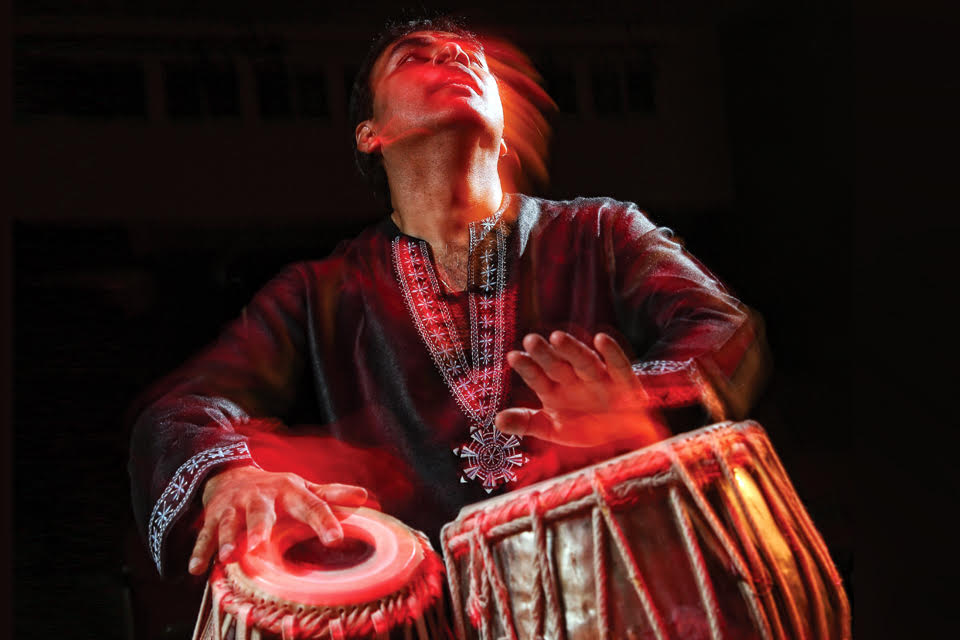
point(491, 457)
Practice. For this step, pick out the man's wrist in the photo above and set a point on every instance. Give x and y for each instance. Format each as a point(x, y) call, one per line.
point(213, 481)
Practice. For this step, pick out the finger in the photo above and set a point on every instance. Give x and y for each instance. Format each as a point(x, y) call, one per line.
point(552, 364)
point(261, 516)
point(525, 422)
point(228, 531)
point(531, 372)
point(584, 360)
point(203, 548)
point(618, 364)
point(316, 513)
point(343, 494)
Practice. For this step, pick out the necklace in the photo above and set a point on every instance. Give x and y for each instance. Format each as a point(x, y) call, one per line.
point(444, 282)
point(458, 268)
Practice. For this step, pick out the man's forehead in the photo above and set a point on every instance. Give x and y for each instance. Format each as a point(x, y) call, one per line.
point(418, 37)
point(422, 38)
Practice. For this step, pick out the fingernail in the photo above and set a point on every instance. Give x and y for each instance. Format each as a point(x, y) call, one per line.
point(194, 563)
point(330, 537)
point(225, 551)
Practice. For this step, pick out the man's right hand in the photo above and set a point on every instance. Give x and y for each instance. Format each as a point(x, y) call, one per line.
point(249, 499)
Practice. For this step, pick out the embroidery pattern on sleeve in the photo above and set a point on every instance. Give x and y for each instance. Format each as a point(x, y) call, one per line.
point(669, 383)
point(181, 487)
point(654, 367)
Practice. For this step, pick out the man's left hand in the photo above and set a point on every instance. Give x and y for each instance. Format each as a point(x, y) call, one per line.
point(590, 396)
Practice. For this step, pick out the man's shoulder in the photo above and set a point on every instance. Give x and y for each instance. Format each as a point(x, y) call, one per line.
point(349, 254)
point(595, 211)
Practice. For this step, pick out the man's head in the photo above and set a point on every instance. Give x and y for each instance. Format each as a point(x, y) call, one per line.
point(418, 77)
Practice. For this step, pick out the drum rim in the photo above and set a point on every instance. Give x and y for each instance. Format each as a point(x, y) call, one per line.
point(422, 592)
point(400, 560)
point(678, 443)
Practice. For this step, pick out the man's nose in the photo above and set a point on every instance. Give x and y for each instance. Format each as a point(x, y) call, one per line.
point(451, 51)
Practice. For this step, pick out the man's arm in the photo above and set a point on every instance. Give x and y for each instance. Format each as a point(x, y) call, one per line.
point(707, 350)
point(710, 348)
point(186, 425)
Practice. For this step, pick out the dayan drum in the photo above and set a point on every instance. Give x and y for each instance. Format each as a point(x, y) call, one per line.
point(383, 581)
point(698, 536)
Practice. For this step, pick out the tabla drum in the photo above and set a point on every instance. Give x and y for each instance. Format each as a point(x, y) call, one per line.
point(698, 536)
point(383, 582)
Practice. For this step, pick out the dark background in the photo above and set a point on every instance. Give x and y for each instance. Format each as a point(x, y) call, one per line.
point(171, 157)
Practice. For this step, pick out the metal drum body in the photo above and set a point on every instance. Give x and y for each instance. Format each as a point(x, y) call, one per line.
point(699, 536)
point(384, 582)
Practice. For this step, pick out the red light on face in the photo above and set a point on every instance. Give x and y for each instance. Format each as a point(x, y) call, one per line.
point(428, 79)
point(525, 103)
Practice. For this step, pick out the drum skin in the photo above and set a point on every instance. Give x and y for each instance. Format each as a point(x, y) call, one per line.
point(384, 582)
point(698, 536)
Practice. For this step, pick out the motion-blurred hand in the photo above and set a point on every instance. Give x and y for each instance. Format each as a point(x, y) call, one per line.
point(248, 500)
point(590, 396)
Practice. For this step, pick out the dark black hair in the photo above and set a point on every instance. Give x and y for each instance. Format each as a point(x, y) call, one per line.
point(370, 165)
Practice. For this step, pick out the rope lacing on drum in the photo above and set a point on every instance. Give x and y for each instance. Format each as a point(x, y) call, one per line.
point(758, 582)
point(707, 597)
point(548, 583)
point(336, 628)
point(781, 480)
point(630, 563)
point(244, 621)
point(600, 574)
point(484, 578)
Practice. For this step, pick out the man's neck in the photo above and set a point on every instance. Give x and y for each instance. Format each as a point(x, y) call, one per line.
point(440, 184)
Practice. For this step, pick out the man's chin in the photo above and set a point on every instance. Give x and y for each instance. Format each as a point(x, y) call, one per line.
point(460, 111)
point(458, 87)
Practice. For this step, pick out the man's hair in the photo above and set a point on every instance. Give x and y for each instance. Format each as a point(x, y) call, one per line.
point(370, 165)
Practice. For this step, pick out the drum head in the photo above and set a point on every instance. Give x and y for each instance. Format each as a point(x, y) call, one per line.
point(377, 557)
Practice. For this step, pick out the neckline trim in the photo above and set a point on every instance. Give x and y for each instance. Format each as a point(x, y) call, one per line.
point(507, 204)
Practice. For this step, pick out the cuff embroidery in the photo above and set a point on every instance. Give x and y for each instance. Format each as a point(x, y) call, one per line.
point(675, 383)
point(655, 367)
point(181, 488)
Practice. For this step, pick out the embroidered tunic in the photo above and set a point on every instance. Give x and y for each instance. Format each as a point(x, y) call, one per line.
point(358, 362)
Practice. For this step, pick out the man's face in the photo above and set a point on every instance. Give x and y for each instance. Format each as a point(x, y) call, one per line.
point(428, 80)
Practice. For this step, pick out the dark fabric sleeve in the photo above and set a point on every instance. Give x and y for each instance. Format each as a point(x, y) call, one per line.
point(187, 424)
point(707, 347)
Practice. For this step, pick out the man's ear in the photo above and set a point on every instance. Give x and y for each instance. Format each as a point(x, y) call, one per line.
point(503, 147)
point(367, 139)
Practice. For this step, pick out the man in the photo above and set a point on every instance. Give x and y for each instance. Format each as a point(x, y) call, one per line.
point(466, 316)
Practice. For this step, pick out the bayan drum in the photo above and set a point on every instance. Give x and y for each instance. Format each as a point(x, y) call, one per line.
point(383, 581)
point(698, 536)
